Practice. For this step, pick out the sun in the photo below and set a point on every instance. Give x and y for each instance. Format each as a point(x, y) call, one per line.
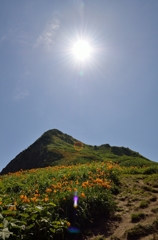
point(82, 50)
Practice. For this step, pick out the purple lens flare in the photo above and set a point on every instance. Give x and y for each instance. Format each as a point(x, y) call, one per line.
point(75, 199)
point(71, 229)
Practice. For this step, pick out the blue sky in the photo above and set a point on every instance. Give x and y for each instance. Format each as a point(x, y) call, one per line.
point(112, 97)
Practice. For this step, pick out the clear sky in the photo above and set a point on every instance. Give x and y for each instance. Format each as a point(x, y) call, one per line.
point(109, 97)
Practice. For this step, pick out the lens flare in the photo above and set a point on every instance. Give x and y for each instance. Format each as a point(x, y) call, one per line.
point(78, 146)
point(73, 230)
point(75, 200)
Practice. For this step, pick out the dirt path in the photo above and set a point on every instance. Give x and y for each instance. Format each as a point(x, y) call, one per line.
point(139, 196)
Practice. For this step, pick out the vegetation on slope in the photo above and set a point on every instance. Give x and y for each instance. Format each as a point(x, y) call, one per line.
point(56, 148)
point(40, 203)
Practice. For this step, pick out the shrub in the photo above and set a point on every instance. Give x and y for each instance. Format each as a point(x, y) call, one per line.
point(144, 204)
point(136, 217)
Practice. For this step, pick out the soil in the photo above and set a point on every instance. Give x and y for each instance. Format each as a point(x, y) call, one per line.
point(138, 194)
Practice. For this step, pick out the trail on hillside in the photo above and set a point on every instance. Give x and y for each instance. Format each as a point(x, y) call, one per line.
point(137, 196)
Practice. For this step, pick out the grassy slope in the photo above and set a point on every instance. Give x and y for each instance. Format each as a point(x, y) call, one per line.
point(39, 203)
point(56, 148)
point(43, 198)
point(64, 144)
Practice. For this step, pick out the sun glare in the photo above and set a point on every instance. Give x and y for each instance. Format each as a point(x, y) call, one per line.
point(82, 50)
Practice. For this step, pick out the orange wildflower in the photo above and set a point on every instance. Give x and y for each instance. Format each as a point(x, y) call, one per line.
point(36, 195)
point(48, 190)
point(68, 224)
point(46, 199)
point(23, 196)
point(98, 180)
point(34, 199)
point(12, 208)
point(82, 194)
point(84, 184)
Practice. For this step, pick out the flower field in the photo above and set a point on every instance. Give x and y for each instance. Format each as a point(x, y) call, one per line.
point(40, 202)
point(55, 202)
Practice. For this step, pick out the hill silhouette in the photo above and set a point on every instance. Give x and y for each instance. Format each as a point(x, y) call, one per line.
point(57, 148)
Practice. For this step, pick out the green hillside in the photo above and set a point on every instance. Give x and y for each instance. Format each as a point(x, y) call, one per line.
point(56, 148)
point(77, 202)
point(85, 193)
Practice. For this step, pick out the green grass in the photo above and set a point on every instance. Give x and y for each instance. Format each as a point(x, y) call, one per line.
point(136, 217)
point(144, 204)
point(39, 204)
point(139, 230)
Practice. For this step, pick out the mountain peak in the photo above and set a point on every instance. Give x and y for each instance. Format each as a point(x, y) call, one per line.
point(57, 148)
point(53, 132)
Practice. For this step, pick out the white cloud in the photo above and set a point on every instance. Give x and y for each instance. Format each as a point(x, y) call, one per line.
point(20, 94)
point(47, 37)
